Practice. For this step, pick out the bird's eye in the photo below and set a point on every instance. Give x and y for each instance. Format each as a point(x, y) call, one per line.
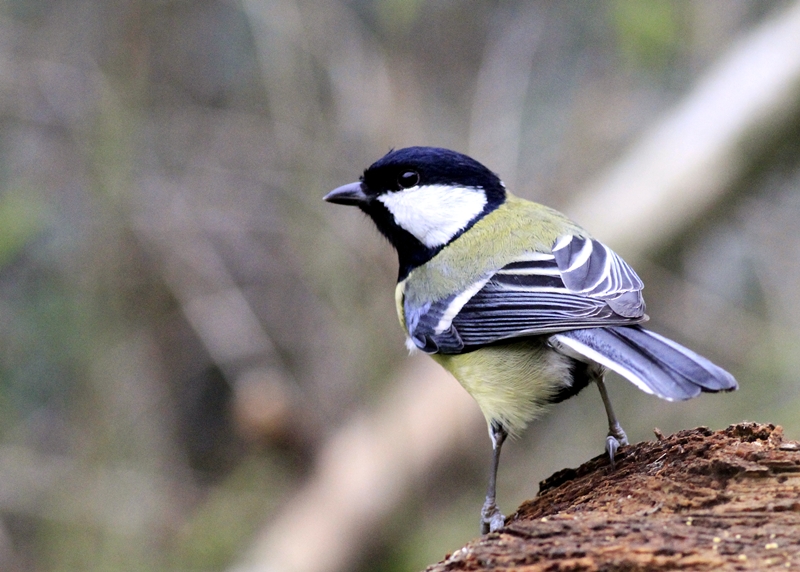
point(408, 179)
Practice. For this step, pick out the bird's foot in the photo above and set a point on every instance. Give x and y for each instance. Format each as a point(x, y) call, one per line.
point(616, 438)
point(491, 517)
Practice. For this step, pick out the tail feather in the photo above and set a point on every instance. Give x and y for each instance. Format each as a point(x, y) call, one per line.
point(683, 361)
point(652, 362)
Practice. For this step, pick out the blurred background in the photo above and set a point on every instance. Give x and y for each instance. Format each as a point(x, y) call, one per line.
point(200, 364)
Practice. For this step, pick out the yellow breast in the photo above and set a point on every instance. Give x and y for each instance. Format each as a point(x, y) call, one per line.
point(512, 383)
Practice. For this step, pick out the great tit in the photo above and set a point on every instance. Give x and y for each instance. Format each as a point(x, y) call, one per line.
point(518, 302)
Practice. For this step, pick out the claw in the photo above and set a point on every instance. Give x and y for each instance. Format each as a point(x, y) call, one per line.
point(491, 517)
point(612, 444)
point(616, 431)
point(616, 438)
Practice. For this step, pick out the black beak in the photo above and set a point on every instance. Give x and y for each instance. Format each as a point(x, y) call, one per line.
point(351, 194)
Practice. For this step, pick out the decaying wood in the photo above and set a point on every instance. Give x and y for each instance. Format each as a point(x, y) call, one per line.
point(697, 500)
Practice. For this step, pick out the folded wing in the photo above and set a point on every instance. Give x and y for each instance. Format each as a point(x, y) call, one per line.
point(581, 284)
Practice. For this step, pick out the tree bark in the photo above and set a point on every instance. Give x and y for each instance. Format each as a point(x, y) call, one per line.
point(696, 500)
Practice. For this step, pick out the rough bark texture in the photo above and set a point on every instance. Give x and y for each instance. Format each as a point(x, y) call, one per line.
point(696, 500)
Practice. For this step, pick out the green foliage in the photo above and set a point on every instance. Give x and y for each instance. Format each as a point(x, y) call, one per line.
point(649, 34)
point(21, 218)
point(397, 16)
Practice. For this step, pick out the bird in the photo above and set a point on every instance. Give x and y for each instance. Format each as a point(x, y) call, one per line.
point(519, 303)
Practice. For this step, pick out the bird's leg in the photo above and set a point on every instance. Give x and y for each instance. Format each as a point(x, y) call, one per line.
point(491, 517)
point(616, 436)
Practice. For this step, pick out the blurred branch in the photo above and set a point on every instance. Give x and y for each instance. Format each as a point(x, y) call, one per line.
point(501, 88)
point(209, 297)
point(216, 308)
point(691, 157)
point(292, 38)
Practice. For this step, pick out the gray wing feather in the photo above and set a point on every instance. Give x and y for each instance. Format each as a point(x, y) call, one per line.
point(591, 268)
point(498, 312)
point(422, 322)
point(582, 284)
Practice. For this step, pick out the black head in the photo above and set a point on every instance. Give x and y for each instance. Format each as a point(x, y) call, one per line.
point(422, 198)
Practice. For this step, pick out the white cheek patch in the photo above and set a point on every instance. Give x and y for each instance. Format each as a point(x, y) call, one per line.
point(433, 214)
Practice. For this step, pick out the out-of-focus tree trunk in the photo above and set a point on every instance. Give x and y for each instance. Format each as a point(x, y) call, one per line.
point(697, 500)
